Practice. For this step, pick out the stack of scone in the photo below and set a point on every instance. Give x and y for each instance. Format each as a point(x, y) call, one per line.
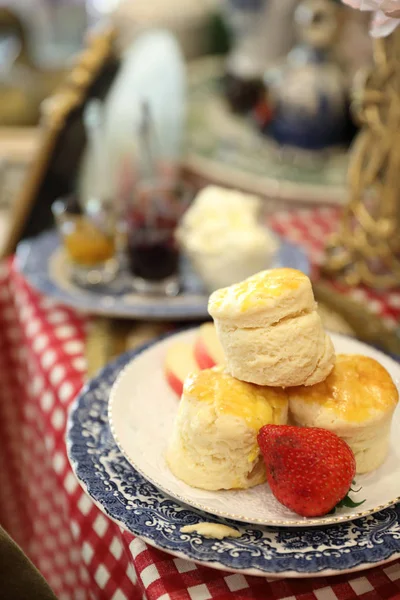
point(280, 364)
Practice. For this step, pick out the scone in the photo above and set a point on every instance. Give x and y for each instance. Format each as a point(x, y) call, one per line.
point(270, 330)
point(356, 402)
point(214, 442)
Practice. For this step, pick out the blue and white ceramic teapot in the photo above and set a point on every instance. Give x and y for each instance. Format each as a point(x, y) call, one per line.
point(308, 95)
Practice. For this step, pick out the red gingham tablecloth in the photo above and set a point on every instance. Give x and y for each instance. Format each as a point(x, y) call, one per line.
point(81, 552)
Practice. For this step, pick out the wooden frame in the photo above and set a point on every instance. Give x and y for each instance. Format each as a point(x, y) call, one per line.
point(62, 135)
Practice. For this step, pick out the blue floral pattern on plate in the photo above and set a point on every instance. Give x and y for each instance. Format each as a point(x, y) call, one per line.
point(139, 507)
point(34, 257)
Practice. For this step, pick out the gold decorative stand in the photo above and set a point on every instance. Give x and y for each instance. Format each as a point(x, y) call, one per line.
point(366, 249)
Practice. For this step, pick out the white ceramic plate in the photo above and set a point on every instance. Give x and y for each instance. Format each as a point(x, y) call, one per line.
point(142, 409)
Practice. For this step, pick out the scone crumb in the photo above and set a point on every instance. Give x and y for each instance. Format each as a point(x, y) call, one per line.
point(211, 530)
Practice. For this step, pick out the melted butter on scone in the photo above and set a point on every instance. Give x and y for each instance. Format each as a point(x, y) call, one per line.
point(255, 404)
point(355, 390)
point(256, 290)
point(211, 530)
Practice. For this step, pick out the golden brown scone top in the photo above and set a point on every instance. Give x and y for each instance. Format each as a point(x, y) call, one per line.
point(254, 292)
point(356, 388)
point(251, 402)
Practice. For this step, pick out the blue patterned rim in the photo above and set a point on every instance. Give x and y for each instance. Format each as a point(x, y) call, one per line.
point(118, 299)
point(139, 507)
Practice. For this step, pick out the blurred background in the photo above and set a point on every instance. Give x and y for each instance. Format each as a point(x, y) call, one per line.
point(252, 116)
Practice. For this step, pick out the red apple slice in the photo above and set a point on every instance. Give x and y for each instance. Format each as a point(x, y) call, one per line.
point(179, 363)
point(207, 348)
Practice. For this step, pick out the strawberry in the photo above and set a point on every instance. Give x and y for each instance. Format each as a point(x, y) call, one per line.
point(309, 470)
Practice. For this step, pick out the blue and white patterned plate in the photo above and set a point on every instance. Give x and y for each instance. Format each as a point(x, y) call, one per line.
point(139, 507)
point(42, 261)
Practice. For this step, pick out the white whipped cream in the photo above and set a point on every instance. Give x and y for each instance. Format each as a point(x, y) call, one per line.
point(222, 235)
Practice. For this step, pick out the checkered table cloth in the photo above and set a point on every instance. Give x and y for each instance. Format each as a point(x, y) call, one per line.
point(82, 554)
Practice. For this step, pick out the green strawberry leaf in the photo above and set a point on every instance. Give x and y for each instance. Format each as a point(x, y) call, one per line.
point(347, 501)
